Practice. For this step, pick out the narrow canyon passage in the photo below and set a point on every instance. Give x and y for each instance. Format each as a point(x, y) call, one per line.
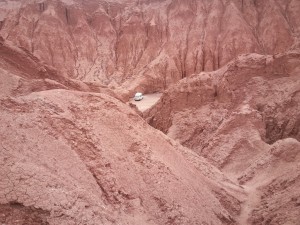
point(213, 140)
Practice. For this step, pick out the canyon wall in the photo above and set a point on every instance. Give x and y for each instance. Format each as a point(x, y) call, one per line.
point(146, 44)
point(224, 143)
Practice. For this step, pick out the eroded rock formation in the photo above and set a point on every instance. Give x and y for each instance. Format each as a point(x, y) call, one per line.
point(147, 44)
point(244, 118)
point(72, 151)
point(72, 155)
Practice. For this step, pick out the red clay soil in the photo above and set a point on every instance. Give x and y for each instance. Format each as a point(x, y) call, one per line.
point(221, 146)
point(147, 44)
point(75, 157)
point(244, 118)
point(88, 159)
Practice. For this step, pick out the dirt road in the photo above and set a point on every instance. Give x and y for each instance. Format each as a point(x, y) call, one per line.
point(147, 102)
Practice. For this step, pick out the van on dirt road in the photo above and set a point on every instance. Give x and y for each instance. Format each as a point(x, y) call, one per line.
point(138, 96)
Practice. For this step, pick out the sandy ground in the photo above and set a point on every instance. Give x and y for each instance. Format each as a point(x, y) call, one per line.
point(147, 102)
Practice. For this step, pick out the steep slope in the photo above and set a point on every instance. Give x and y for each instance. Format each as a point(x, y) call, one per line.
point(273, 185)
point(147, 44)
point(253, 91)
point(98, 162)
point(22, 73)
point(244, 118)
point(75, 157)
point(72, 153)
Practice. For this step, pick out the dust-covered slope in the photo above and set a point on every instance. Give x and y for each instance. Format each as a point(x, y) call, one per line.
point(273, 184)
point(72, 153)
point(252, 91)
point(75, 157)
point(22, 73)
point(244, 118)
point(86, 158)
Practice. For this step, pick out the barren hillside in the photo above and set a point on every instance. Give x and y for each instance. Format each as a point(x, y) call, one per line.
point(245, 119)
point(220, 145)
point(69, 156)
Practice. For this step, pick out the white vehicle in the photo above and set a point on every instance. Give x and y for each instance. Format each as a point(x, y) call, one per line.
point(138, 96)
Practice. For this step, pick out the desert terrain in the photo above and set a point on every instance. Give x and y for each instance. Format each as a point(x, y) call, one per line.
point(216, 139)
